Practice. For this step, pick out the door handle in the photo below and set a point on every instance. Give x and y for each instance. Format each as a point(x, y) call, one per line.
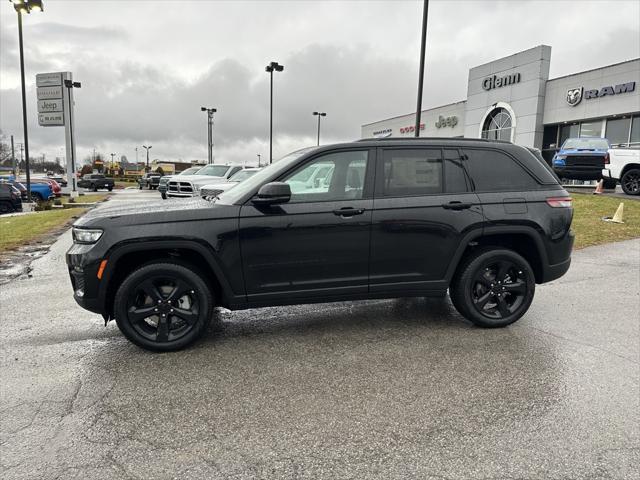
point(455, 205)
point(348, 212)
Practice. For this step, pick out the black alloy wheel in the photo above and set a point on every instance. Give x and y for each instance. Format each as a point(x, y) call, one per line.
point(6, 207)
point(494, 287)
point(163, 306)
point(499, 289)
point(630, 182)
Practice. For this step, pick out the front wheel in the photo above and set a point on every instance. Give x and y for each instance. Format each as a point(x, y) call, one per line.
point(493, 287)
point(163, 195)
point(6, 207)
point(630, 182)
point(163, 306)
point(94, 187)
point(110, 188)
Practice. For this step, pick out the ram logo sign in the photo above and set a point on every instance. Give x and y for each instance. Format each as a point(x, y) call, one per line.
point(574, 95)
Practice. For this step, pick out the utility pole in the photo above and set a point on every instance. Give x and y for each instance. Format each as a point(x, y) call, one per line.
point(13, 158)
point(423, 44)
point(258, 160)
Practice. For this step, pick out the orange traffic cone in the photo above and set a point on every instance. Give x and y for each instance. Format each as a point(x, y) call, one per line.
point(599, 188)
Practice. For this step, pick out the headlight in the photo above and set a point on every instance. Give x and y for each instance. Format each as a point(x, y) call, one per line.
point(86, 235)
point(560, 157)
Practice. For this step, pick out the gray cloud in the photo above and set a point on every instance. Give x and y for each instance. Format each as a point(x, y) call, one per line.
point(146, 77)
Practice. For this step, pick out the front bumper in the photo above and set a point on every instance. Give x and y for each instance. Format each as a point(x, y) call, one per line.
point(574, 172)
point(83, 263)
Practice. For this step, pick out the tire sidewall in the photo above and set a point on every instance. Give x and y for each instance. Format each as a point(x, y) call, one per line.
point(634, 171)
point(183, 272)
point(466, 283)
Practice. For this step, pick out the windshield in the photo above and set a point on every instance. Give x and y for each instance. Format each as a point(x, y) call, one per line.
point(213, 170)
point(236, 193)
point(586, 143)
point(242, 175)
point(190, 171)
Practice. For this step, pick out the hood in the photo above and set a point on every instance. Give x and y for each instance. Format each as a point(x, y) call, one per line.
point(583, 151)
point(197, 178)
point(148, 212)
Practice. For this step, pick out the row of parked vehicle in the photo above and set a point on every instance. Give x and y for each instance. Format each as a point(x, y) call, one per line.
point(208, 181)
point(592, 158)
point(14, 192)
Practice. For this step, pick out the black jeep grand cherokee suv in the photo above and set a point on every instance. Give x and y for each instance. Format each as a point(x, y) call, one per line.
point(370, 219)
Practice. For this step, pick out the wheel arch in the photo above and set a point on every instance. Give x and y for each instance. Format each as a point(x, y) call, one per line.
point(628, 167)
point(125, 257)
point(524, 240)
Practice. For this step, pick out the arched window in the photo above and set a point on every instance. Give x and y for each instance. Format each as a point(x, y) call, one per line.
point(498, 125)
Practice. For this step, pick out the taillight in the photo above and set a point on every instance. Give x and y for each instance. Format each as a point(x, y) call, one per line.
point(560, 202)
point(606, 158)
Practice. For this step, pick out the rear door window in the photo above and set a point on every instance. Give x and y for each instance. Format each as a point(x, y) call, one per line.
point(493, 171)
point(455, 177)
point(412, 172)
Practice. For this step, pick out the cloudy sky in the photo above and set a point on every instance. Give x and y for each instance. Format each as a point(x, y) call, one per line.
point(147, 66)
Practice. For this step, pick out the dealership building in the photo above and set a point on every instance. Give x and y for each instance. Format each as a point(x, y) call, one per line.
point(514, 99)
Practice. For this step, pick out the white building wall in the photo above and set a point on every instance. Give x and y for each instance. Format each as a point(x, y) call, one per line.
point(524, 99)
point(404, 126)
point(557, 110)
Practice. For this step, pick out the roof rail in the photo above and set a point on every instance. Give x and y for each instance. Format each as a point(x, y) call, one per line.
point(461, 139)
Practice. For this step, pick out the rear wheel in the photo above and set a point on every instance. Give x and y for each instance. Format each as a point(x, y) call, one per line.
point(110, 188)
point(6, 207)
point(163, 306)
point(94, 187)
point(163, 195)
point(630, 182)
point(493, 287)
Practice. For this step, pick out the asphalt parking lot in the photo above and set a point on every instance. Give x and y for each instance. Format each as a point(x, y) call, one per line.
point(388, 389)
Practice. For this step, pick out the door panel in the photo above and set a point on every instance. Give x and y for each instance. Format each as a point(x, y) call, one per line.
point(317, 244)
point(296, 248)
point(414, 237)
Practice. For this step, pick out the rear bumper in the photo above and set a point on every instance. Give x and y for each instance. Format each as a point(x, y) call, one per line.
point(556, 270)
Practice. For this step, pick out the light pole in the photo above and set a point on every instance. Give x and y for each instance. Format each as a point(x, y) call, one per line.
point(210, 112)
point(69, 85)
point(147, 149)
point(112, 155)
point(319, 114)
point(270, 68)
point(423, 43)
point(258, 159)
point(25, 6)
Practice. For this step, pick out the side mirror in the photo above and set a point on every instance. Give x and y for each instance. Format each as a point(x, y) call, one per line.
point(272, 194)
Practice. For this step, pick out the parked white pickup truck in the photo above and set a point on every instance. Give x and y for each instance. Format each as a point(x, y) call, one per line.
point(624, 166)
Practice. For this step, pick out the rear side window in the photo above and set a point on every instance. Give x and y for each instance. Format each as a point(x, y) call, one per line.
point(492, 171)
point(455, 178)
point(412, 172)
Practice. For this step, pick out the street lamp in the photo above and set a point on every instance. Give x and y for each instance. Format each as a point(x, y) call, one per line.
point(270, 68)
point(319, 114)
point(69, 85)
point(258, 160)
point(147, 149)
point(112, 155)
point(210, 112)
point(25, 6)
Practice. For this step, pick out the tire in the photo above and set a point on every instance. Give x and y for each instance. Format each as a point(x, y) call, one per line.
point(630, 181)
point(609, 183)
point(37, 196)
point(486, 277)
point(6, 207)
point(110, 188)
point(163, 195)
point(94, 187)
point(147, 289)
point(140, 185)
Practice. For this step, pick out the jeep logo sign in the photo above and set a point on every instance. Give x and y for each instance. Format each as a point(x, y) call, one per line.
point(496, 82)
point(574, 95)
point(447, 122)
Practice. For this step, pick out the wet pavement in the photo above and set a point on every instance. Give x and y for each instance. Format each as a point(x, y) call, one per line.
point(388, 389)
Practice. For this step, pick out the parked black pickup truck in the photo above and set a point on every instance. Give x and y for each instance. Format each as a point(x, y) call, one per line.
point(95, 181)
point(396, 217)
point(149, 180)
